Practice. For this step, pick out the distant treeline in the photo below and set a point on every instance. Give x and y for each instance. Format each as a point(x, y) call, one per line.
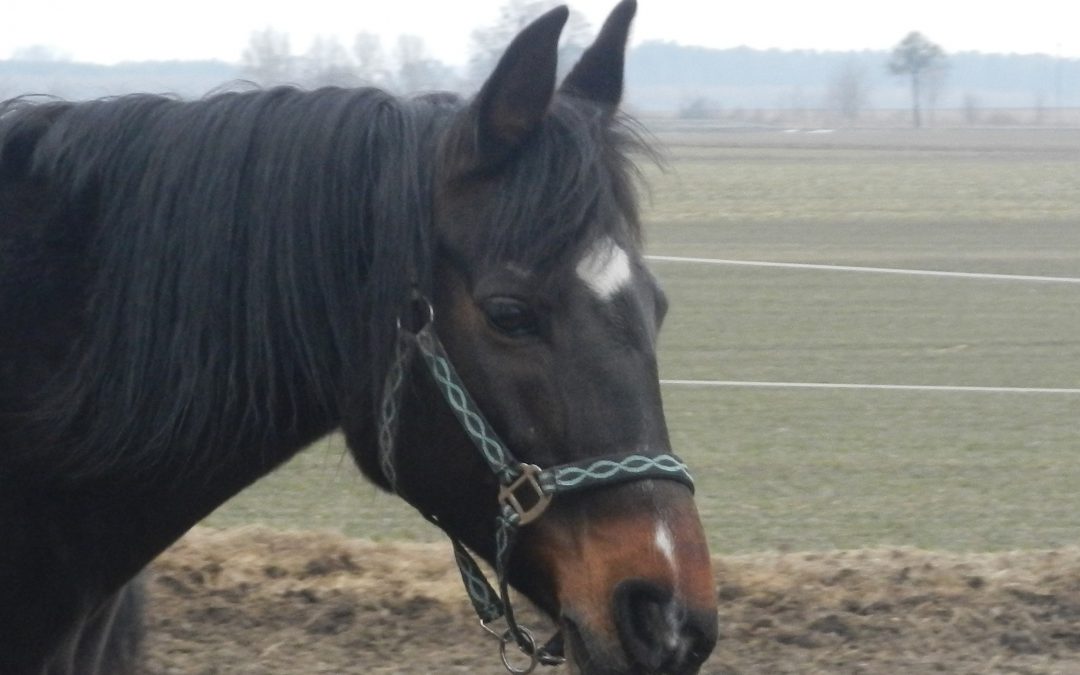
point(75, 80)
point(662, 77)
point(662, 73)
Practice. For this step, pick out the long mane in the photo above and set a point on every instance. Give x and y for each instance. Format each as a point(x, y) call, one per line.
point(243, 259)
point(233, 266)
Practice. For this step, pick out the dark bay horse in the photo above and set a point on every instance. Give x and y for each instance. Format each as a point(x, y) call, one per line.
point(190, 292)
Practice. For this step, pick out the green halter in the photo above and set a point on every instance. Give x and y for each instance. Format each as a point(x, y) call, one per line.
point(525, 492)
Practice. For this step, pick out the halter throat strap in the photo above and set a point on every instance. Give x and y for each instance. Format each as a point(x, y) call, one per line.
point(525, 491)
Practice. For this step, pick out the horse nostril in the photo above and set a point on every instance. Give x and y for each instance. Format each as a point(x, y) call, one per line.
point(657, 631)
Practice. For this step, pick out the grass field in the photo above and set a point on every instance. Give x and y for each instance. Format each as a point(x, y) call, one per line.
point(810, 469)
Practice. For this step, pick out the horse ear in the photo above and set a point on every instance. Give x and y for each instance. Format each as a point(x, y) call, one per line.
point(515, 98)
point(598, 76)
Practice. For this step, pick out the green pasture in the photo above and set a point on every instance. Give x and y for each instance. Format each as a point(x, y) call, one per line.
point(808, 469)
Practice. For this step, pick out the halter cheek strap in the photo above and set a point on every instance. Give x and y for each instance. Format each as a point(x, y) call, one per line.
point(525, 492)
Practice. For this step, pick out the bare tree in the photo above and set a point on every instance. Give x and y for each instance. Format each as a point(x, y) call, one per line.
point(268, 58)
point(327, 63)
point(915, 56)
point(371, 65)
point(849, 91)
point(417, 71)
point(935, 80)
point(489, 42)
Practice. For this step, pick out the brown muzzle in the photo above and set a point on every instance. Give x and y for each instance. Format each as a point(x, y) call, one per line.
point(632, 578)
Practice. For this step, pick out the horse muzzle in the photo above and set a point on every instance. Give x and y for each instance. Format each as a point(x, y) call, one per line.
point(632, 578)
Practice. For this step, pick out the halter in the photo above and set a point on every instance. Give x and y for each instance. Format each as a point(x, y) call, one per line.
point(525, 491)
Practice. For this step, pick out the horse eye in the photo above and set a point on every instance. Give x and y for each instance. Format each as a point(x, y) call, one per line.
point(511, 317)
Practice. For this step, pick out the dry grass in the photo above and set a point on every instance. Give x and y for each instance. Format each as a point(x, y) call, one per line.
point(256, 601)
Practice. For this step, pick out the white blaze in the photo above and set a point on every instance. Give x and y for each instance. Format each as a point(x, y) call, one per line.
point(605, 268)
point(666, 544)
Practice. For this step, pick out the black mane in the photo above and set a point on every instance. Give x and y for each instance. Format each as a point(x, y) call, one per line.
point(241, 259)
point(244, 259)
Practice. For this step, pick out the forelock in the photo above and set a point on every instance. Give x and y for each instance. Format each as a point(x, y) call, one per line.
point(575, 182)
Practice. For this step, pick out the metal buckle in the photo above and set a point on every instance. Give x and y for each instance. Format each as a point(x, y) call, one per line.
point(530, 505)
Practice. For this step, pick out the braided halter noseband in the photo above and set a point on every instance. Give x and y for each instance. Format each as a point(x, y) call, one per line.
point(525, 492)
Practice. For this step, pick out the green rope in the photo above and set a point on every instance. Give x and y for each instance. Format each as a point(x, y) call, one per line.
point(592, 473)
point(464, 407)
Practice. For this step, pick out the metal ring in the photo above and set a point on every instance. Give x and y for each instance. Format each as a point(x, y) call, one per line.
point(530, 650)
point(426, 313)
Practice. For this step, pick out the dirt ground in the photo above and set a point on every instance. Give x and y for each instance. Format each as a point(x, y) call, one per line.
point(254, 600)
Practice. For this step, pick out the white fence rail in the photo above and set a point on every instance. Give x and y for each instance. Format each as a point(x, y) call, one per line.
point(876, 270)
point(872, 270)
point(849, 385)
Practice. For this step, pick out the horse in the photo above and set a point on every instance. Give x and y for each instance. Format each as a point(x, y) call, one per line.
point(193, 291)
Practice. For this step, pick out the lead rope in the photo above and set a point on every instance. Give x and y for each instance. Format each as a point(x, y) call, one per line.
point(525, 489)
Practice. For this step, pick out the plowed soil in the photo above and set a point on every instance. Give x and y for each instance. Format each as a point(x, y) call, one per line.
point(254, 600)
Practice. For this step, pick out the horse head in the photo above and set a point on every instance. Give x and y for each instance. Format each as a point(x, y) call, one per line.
point(543, 304)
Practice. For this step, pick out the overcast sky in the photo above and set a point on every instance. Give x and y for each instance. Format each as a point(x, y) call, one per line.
point(108, 31)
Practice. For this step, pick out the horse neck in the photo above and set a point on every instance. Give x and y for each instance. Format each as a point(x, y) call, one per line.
point(267, 259)
point(220, 326)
